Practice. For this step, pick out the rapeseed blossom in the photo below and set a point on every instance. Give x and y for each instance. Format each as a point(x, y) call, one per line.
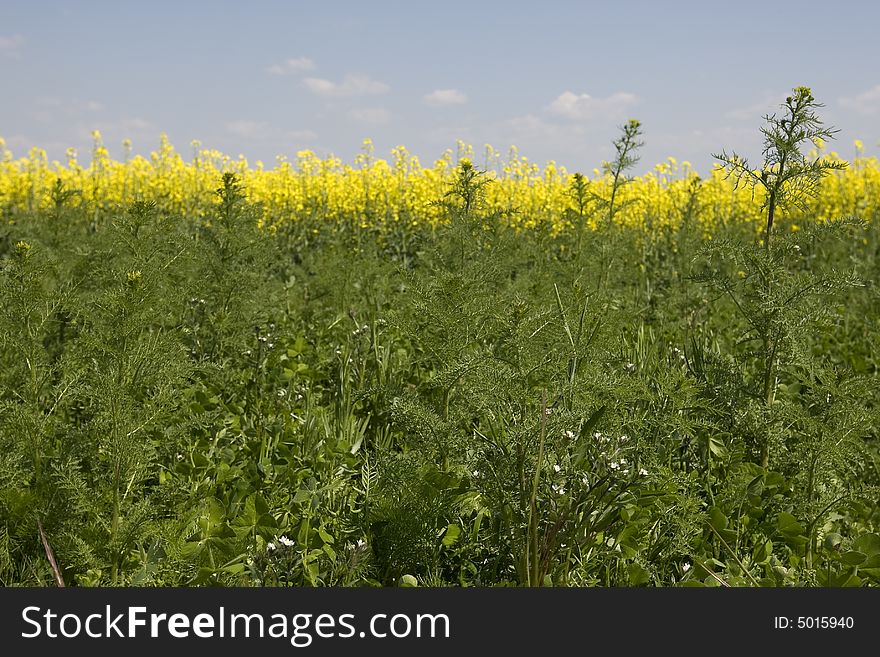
point(386, 194)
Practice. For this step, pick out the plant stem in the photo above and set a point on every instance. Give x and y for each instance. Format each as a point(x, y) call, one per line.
point(532, 556)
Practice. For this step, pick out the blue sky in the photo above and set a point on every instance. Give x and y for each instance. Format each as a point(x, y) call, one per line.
point(555, 79)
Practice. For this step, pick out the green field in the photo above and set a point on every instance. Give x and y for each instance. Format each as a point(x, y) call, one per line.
point(210, 401)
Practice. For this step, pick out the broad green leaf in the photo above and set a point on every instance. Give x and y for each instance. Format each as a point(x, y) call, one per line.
point(717, 518)
point(867, 543)
point(638, 575)
point(451, 535)
point(762, 551)
point(254, 518)
point(716, 446)
point(853, 558)
point(789, 525)
point(441, 480)
point(407, 582)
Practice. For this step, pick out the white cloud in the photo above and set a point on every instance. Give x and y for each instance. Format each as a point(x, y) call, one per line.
point(351, 85)
point(373, 115)
point(582, 107)
point(292, 66)
point(10, 45)
point(247, 129)
point(867, 102)
point(441, 97)
point(531, 126)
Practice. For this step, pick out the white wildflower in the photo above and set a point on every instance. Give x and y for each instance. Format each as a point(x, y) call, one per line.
point(286, 542)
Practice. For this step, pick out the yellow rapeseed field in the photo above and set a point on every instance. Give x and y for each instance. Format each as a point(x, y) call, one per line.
point(382, 193)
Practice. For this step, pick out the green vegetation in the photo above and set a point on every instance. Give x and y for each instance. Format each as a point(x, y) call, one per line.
point(202, 402)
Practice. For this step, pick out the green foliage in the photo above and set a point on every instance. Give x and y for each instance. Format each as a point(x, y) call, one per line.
point(787, 178)
point(190, 403)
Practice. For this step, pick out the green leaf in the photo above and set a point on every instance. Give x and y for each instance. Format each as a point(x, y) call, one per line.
point(867, 543)
point(441, 480)
point(847, 578)
point(717, 518)
point(762, 551)
point(450, 537)
point(254, 518)
point(475, 530)
point(407, 582)
point(302, 536)
point(233, 569)
point(789, 525)
point(592, 422)
point(853, 558)
point(873, 573)
point(638, 576)
point(717, 446)
point(873, 561)
point(832, 541)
